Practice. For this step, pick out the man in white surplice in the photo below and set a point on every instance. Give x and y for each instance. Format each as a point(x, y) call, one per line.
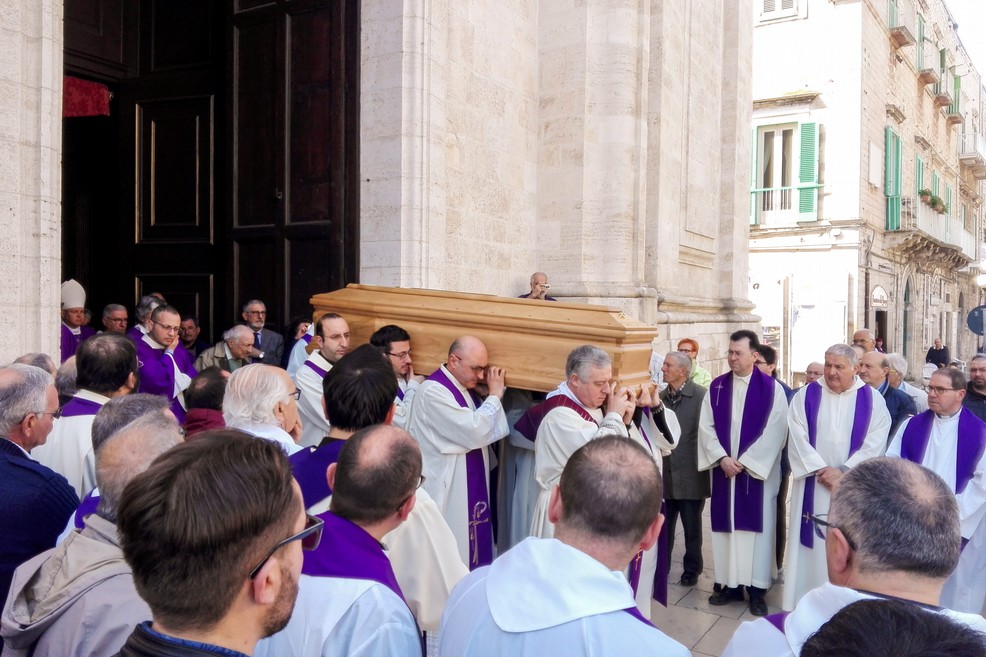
point(835, 424)
point(950, 440)
point(455, 427)
point(332, 340)
point(740, 436)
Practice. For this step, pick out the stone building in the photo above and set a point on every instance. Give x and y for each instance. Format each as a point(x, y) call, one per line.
point(279, 148)
point(858, 106)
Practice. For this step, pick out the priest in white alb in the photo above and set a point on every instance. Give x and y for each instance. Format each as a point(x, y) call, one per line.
point(455, 428)
point(950, 440)
point(835, 424)
point(740, 436)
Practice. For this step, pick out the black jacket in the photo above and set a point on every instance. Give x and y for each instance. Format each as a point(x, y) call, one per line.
point(144, 643)
point(975, 402)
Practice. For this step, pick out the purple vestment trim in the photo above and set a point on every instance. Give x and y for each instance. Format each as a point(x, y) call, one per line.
point(89, 504)
point(477, 492)
point(860, 425)
point(663, 563)
point(77, 407)
point(530, 422)
point(307, 339)
point(348, 552)
point(309, 469)
point(633, 611)
point(748, 505)
point(315, 368)
point(969, 448)
point(400, 393)
point(70, 341)
point(777, 620)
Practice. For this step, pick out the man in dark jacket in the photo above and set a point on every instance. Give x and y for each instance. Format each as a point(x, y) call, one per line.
point(685, 488)
point(975, 392)
point(938, 354)
point(874, 369)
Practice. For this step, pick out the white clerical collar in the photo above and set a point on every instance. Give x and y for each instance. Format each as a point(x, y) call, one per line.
point(948, 418)
point(744, 379)
point(152, 342)
point(74, 331)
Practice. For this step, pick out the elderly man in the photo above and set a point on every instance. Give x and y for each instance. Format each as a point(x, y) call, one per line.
point(142, 316)
point(332, 342)
point(874, 370)
point(37, 501)
point(213, 532)
point(230, 353)
point(559, 596)
point(115, 319)
point(835, 424)
point(950, 440)
point(898, 370)
point(685, 487)
point(699, 375)
point(975, 391)
point(268, 346)
point(261, 400)
point(349, 600)
point(74, 330)
point(395, 343)
point(106, 368)
point(190, 332)
point(164, 365)
point(892, 531)
point(813, 372)
point(864, 339)
point(78, 599)
point(454, 427)
point(359, 392)
point(938, 355)
point(740, 436)
point(539, 288)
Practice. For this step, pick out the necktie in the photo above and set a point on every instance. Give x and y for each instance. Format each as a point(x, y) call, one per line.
point(256, 340)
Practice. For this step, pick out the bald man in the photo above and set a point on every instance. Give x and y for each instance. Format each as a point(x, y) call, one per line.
point(539, 288)
point(454, 426)
point(864, 338)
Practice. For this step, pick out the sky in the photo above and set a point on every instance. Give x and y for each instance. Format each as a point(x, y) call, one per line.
point(971, 17)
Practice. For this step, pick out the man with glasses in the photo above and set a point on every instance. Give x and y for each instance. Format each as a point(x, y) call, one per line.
point(37, 501)
point(190, 336)
point(740, 435)
point(835, 424)
point(813, 372)
point(898, 370)
point(975, 392)
point(74, 329)
point(892, 532)
point(115, 319)
point(396, 346)
point(214, 531)
point(349, 599)
point(107, 368)
point(332, 340)
point(268, 346)
point(950, 440)
point(864, 338)
point(454, 427)
point(164, 365)
point(262, 400)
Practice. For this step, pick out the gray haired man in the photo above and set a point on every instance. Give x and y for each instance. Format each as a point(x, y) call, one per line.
point(230, 353)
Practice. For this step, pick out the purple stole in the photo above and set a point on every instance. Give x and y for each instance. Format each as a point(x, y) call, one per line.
point(530, 422)
point(860, 425)
point(969, 448)
point(308, 468)
point(400, 393)
point(348, 552)
point(777, 620)
point(477, 492)
point(633, 611)
point(156, 373)
point(70, 341)
point(77, 407)
point(748, 505)
point(315, 368)
point(89, 504)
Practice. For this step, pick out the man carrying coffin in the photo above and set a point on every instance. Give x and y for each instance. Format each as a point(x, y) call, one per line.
point(835, 424)
point(454, 427)
point(950, 440)
point(740, 436)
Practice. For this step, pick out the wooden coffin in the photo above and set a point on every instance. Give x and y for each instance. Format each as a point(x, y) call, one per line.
point(529, 339)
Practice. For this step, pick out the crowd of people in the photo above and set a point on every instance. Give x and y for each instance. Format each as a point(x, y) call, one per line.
point(261, 497)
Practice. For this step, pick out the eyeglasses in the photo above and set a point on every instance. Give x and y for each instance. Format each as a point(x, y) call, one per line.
point(256, 312)
point(296, 394)
point(938, 390)
point(166, 328)
point(310, 537)
point(820, 523)
point(57, 413)
point(116, 320)
point(400, 356)
point(737, 354)
point(476, 369)
point(421, 481)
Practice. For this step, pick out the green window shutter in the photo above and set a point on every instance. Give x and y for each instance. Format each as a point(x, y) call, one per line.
point(808, 173)
point(935, 183)
point(891, 176)
point(920, 44)
point(956, 94)
point(918, 174)
point(754, 147)
point(948, 199)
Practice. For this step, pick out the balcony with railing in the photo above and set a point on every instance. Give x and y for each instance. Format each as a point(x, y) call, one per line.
point(972, 154)
point(897, 21)
point(922, 231)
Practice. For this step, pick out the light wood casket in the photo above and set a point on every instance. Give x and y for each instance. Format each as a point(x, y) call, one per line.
point(529, 339)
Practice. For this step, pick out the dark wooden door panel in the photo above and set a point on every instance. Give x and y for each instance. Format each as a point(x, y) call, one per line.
point(97, 43)
point(182, 34)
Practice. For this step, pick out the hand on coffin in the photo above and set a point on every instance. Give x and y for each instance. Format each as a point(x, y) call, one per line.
point(649, 396)
point(494, 381)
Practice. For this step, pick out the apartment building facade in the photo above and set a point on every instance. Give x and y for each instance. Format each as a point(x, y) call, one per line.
point(866, 194)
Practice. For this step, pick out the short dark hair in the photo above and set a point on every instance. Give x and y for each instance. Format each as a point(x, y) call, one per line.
point(194, 319)
point(104, 362)
point(900, 516)
point(606, 474)
point(370, 492)
point(893, 628)
point(195, 523)
point(163, 308)
point(206, 390)
point(359, 390)
point(749, 335)
point(318, 322)
point(384, 336)
point(956, 377)
point(768, 353)
point(121, 411)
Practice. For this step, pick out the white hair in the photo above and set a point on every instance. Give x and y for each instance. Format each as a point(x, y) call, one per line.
point(843, 351)
point(899, 363)
point(25, 394)
point(239, 332)
point(252, 392)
